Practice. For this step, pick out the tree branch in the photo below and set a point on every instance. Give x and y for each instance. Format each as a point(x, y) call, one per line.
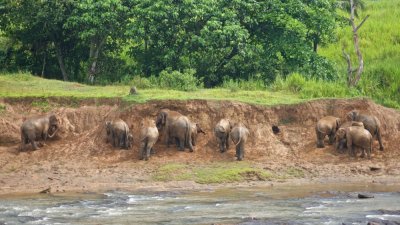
point(362, 22)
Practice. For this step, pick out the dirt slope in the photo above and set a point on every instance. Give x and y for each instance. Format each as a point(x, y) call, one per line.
point(79, 157)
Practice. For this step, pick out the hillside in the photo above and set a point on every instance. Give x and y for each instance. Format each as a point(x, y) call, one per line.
point(380, 45)
point(79, 159)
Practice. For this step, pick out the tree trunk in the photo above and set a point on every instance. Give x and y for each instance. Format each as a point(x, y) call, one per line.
point(43, 65)
point(60, 59)
point(95, 48)
point(351, 79)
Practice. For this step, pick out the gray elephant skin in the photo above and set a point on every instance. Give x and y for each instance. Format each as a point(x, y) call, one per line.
point(356, 136)
point(118, 134)
point(37, 128)
point(176, 128)
point(239, 136)
point(342, 143)
point(221, 132)
point(195, 129)
point(371, 123)
point(327, 125)
point(148, 137)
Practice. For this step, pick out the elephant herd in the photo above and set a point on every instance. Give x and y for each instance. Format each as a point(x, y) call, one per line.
point(175, 127)
point(358, 132)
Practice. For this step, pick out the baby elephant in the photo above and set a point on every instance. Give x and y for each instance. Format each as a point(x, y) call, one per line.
point(195, 130)
point(342, 143)
point(327, 125)
point(118, 134)
point(239, 135)
point(148, 137)
point(37, 128)
point(221, 132)
point(356, 136)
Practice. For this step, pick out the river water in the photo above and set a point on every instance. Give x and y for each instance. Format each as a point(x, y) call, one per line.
point(255, 205)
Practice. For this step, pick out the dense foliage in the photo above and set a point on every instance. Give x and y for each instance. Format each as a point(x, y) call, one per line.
point(215, 39)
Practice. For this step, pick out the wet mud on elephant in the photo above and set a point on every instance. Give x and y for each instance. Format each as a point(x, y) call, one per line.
point(327, 125)
point(356, 137)
point(221, 131)
point(148, 137)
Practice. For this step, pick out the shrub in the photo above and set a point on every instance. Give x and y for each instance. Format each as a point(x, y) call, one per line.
point(177, 80)
point(240, 84)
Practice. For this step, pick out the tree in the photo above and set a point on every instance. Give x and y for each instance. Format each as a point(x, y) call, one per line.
point(352, 80)
point(235, 38)
point(97, 22)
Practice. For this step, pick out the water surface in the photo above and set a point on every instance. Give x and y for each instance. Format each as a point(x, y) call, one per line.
point(291, 205)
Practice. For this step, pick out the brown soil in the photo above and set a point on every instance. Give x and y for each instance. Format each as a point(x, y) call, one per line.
point(78, 159)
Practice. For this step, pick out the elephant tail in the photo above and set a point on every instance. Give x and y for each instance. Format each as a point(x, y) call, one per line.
point(126, 136)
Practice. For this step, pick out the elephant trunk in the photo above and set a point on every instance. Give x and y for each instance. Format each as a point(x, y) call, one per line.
point(54, 133)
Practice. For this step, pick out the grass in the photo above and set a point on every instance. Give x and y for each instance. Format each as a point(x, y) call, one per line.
point(25, 85)
point(380, 46)
point(212, 173)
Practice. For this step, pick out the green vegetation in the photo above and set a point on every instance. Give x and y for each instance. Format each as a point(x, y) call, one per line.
point(113, 40)
point(2, 108)
point(25, 85)
point(44, 105)
point(213, 173)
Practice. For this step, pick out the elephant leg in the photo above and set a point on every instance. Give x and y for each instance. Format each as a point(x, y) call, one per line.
point(32, 139)
point(331, 138)
point(181, 144)
point(237, 151)
point(148, 152)
point(141, 150)
point(362, 153)
point(320, 140)
point(227, 142)
point(190, 146)
point(221, 145)
point(152, 151)
point(240, 152)
point(380, 140)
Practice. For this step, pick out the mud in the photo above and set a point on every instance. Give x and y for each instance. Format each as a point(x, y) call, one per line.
point(79, 159)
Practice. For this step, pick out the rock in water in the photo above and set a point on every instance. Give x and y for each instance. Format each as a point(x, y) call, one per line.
point(361, 196)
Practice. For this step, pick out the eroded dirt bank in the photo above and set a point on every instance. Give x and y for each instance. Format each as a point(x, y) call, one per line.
point(78, 159)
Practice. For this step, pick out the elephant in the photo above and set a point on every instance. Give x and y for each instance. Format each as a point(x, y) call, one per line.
point(195, 130)
point(356, 136)
point(176, 127)
point(221, 132)
point(148, 137)
point(341, 143)
point(37, 128)
point(239, 135)
point(118, 134)
point(371, 123)
point(327, 125)
point(164, 119)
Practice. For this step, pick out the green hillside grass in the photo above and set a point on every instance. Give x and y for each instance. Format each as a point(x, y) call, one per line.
point(380, 46)
point(25, 85)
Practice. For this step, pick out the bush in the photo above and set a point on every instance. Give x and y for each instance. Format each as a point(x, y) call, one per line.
point(312, 88)
point(177, 80)
point(250, 85)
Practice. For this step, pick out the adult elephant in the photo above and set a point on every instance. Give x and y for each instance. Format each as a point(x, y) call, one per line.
point(118, 134)
point(164, 118)
point(148, 137)
point(327, 125)
point(221, 132)
point(356, 136)
point(239, 136)
point(37, 128)
point(195, 129)
point(371, 123)
point(341, 142)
